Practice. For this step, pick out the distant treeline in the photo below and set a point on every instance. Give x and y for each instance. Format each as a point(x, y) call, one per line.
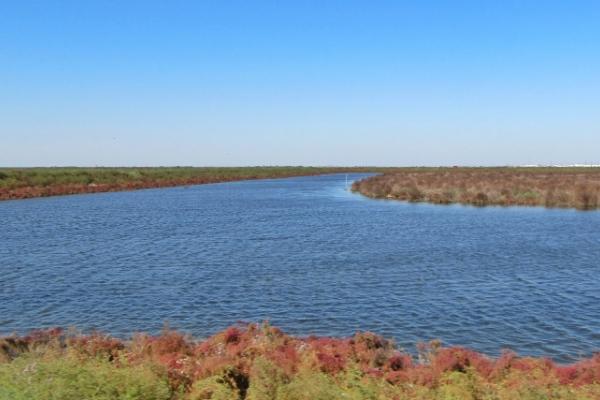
point(19, 183)
point(259, 362)
point(550, 187)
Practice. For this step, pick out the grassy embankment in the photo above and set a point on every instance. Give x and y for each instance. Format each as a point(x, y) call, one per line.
point(20, 183)
point(259, 362)
point(550, 187)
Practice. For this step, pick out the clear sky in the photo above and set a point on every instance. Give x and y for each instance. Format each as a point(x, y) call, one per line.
point(299, 82)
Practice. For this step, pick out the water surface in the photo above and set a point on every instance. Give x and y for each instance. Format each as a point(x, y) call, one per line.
point(309, 256)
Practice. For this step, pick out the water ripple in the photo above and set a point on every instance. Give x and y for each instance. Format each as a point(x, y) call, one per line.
point(310, 257)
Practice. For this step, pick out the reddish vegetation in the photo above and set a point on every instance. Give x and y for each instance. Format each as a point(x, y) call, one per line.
point(78, 188)
point(235, 350)
point(25, 192)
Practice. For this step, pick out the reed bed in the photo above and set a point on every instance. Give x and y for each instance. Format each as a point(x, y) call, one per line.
point(550, 187)
point(259, 362)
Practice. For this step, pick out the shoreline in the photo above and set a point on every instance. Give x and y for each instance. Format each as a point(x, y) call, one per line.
point(549, 187)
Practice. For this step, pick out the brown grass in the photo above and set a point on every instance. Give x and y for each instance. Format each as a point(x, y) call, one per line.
point(550, 187)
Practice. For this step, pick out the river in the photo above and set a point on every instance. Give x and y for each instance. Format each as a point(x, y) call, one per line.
point(309, 256)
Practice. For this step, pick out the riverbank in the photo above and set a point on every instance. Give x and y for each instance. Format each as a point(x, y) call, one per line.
point(549, 187)
point(22, 183)
point(260, 362)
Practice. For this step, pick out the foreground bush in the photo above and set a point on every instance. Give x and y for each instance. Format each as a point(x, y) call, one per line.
point(65, 378)
point(551, 187)
point(259, 362)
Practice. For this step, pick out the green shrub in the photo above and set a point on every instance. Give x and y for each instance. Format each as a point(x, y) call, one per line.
point(36, 378)
point(266, 379)
point(463, 386)
point(310, 386)
point(213, 388)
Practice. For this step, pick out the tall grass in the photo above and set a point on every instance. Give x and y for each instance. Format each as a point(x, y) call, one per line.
point(259, 362)
point(550, 187)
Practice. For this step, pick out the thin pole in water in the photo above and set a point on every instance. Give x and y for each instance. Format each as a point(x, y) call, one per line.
point(346, 181)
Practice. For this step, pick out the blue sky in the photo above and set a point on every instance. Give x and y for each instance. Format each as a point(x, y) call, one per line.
point(299, 82)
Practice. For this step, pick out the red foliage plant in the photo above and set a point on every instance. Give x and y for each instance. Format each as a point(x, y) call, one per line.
point(96, 345)
point(233, 351)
